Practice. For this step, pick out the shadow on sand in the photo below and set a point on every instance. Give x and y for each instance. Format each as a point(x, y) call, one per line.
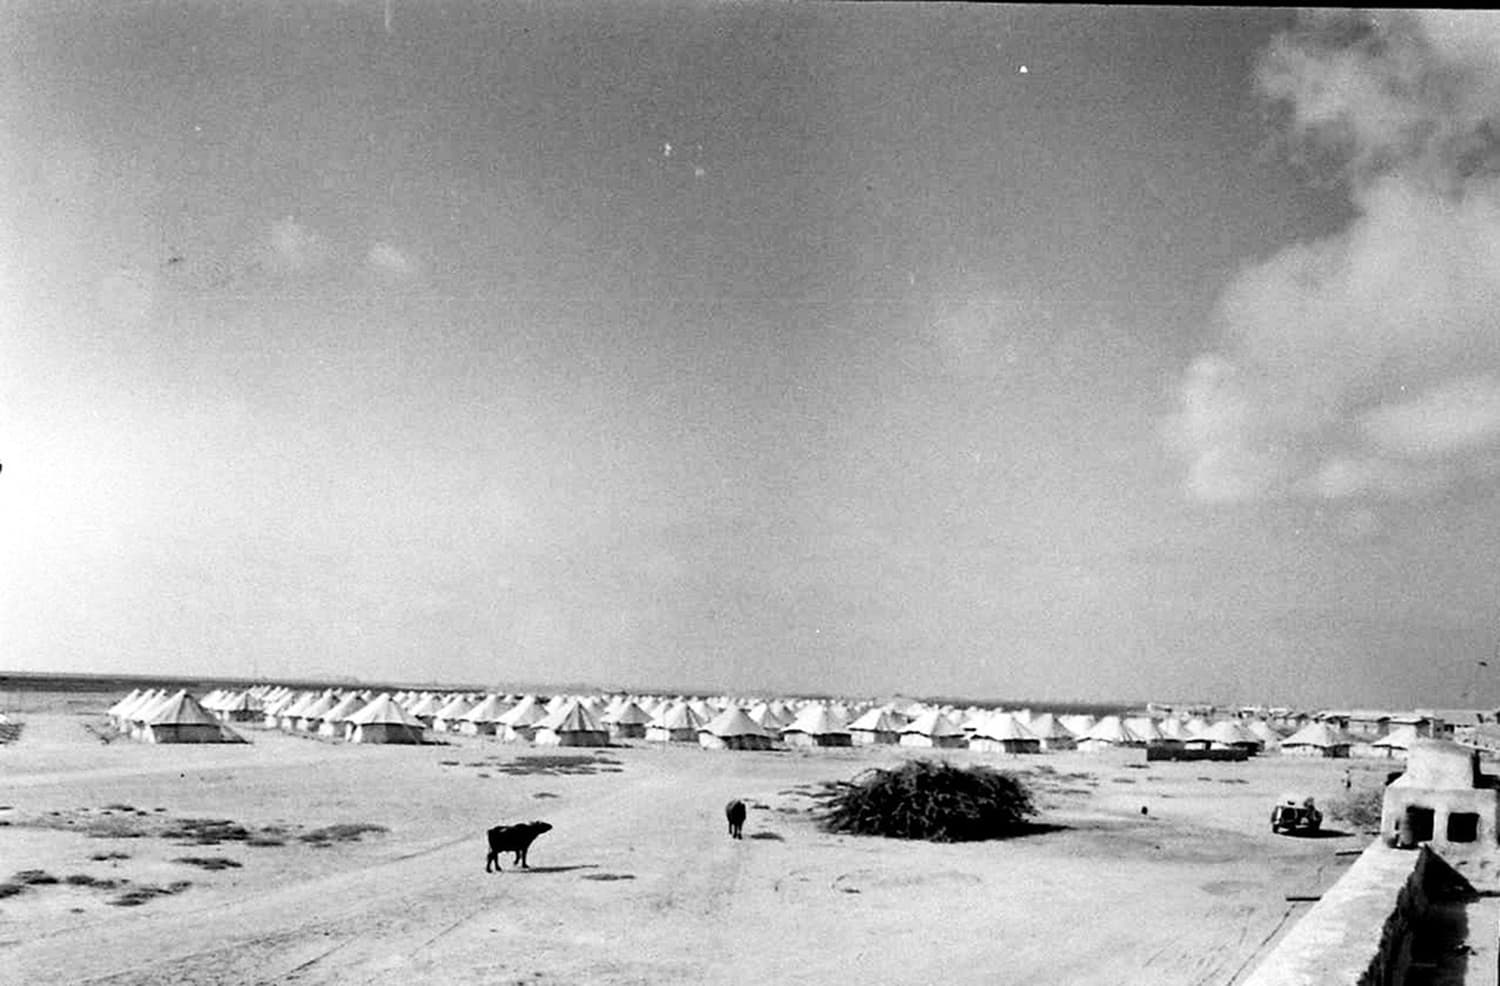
point(1028, 829)
point(1317, 834)
point(555, 869)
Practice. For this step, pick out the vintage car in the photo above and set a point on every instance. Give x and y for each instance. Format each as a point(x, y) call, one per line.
point(1295, 813)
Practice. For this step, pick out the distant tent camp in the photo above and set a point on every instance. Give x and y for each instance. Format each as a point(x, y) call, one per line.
point(573, 724)
point(1108, 733)
point(1317, 739)
point(449, 717)
point(520, 722)
point(238, 707)
point(732, 729)
point(383, 720)
point(932, 729)
point(770, 716)
point(1396, 743)
point(292, 714)
point(1231, 734)
point(1261, 730)
point(878, 726)
point(1174, 729)
point(678, 724)
point(816, 725)
point(331, 723)
point(628, 721)
point(1078, 724)
point(1051, 733)
point(484, 718)
point(1001, 732)
point(180, 719)
point(121, 710)
point(1146, 730)
point(311, 716)
point(426, 708)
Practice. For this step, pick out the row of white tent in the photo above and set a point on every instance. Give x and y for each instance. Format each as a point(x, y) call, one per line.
point(582, 720)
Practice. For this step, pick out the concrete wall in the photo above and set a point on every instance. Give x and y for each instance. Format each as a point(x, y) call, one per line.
point(1360, 933)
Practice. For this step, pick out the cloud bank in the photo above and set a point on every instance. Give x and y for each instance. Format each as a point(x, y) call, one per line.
point(1367, 364)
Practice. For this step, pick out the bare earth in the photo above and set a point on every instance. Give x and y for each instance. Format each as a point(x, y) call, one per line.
point(638, 881)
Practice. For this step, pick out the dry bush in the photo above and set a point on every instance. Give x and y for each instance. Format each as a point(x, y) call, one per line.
point(140, 895)
point(1359, 808)
point(85, 880)
point(208, 862)
point(926, 799)
point(342, 832)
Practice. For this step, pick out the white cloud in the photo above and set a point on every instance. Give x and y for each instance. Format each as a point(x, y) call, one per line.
point(386, 259)
point(1367, 363)
point(294, 247)
point(1343, 477)
point(1451, 418)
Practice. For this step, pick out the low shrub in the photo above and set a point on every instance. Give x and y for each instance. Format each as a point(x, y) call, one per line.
point(208, 862)
point(342, 832)
point(926, 799)
point(1360, 808)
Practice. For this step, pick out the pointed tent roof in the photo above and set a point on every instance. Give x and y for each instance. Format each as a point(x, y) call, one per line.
point(1262, 731)
point(1318, 734)
point(628, 714)
point(316, 710)
point(767, 717)
point(1078, 724)
point(523, 713)
point(1400, 738)
point(879, 720)
point(180, 709)
point(1230, 731)
point(455, 707)
point(241, 702)
point(344, 708)
point(817, 720)
point(1110, 730)
point(489, 710)
point(427, 705)
point(932, 723)
point(679, 716)
point(1048, 727)
point(124, 704)
point(1004, 726)
point(733, 722)
point(1144, 729)
point(573, 716)
point(1172, 727)
point(303, 702)
point(146, 707)
point(386, 711)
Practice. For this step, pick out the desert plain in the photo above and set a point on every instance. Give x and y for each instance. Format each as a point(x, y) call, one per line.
point(297, 860)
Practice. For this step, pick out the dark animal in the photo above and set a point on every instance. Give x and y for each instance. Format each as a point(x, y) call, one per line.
point(735, 812)
point(513, 839)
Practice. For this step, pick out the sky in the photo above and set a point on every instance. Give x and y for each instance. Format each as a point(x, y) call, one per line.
point(1090, 353)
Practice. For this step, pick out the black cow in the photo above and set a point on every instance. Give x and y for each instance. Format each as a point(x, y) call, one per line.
point(735, 812)
point(513, 839)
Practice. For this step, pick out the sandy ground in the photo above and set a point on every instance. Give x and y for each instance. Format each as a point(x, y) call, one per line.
point(638, 882)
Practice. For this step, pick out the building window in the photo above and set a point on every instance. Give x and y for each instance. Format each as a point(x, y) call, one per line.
point(1420, 820)
point(1463, 826)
